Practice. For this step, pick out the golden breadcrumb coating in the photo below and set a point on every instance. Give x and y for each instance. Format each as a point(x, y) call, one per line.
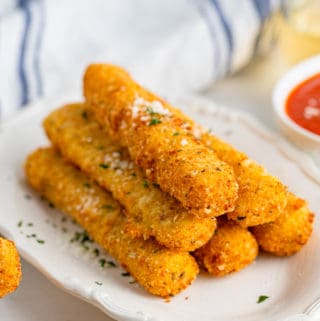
point(230, 249)
point(159, 270)
point(10, 268)
point(262, 197)
point(150, 211)
point(147, 125)
point(288, 233)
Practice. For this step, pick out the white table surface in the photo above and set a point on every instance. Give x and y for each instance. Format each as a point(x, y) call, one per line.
point(39, 300)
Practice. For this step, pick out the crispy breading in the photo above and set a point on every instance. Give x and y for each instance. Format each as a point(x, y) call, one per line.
point(150, 211)
point(159, 270)
point(147, 125)
point(10, 268)
point(230, 249)
point(262, 197)
point(288, 233)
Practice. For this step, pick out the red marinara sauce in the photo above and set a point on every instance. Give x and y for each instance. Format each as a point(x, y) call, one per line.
point(303, 104)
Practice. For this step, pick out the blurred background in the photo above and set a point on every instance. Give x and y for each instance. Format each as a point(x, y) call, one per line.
point(172, 47)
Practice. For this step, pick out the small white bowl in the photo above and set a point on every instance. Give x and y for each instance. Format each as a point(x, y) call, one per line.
point(296, 75)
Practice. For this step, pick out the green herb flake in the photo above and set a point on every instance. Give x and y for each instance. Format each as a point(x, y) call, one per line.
point(104, 166)
point(133, 174)
point(145, 184)
point(155, 185)
point(262, 298)
point(20, 223)
point(96, 252)
point(108, 207)
point(111, 264)
point(125, 274)
point(84, 115)
point(30, 224)
point(40, 241)
point(176, 134)
point(133, 282)
point(151, 111)
point(28, 197)
point(86, 185)
point(102, 262)
point(51, 205)
point(98, 283)
point(154, 121)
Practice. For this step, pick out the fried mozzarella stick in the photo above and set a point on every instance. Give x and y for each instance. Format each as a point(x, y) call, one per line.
point(230, 249)
point(150, 211)
point(287, 234)
point(262, 197)
point(159, 270)
point(147, 126)
point(10, 268)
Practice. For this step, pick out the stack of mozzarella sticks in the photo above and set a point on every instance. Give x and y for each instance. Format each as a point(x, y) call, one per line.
point(164, 196)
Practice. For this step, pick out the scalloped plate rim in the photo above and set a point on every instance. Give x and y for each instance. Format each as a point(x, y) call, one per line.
point(96, 298)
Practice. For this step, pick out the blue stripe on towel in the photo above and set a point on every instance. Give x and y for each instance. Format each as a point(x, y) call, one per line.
point(227, 31)
point(262, 7)
point(36, 58)
point(23, 4)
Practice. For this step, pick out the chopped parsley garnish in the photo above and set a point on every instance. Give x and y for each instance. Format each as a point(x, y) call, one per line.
point(155, 185)
point(125, 274)
point(145, 184)
point(133, 282)
point(104, 166)
point(96, 252)
point(133, 174)
point(176, 134)
point(51, 205)
point(28, 197)
point(86, 185)
point(40, 241)
point(30, 224)
point(20, 223)
point(151, 111)
point(154, 121)
point(100, 147)
point(108, 207)
point(102, 262)
point(82, 237)
point(98, 283)
point(111, 264)
point(84, 114)
point(262, 298)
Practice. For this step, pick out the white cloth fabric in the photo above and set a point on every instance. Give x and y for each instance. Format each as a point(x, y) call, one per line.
point(170, 46)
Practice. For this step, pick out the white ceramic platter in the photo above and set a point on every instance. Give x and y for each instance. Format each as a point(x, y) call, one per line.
point(292, 284)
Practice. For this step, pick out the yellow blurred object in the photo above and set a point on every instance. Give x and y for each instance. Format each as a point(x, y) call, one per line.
point(299, 30)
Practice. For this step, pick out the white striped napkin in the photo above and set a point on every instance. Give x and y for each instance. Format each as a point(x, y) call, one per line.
point(172, 46)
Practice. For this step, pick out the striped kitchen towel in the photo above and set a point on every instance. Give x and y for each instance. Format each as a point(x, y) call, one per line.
point(171, 46)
